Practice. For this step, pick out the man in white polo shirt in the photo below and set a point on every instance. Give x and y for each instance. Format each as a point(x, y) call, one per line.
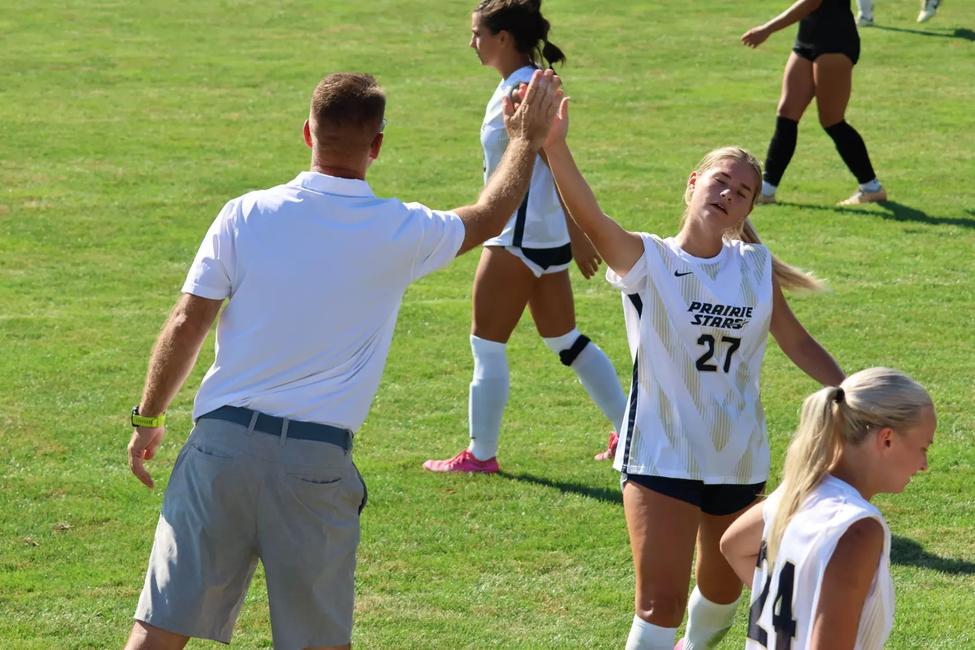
point(315, 271)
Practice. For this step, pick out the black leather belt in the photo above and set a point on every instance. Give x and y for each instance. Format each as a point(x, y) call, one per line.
point(274, 426)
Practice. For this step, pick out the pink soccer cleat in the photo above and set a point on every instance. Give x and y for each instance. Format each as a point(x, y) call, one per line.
point(680, 645)
point(463, 462)
point(610, 453)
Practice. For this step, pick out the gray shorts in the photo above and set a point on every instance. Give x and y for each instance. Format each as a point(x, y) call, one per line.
point(235, 496)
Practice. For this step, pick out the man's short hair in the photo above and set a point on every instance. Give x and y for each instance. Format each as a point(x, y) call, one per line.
point(347, 109)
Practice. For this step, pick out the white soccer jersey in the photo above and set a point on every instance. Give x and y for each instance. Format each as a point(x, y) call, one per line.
point(539, 221)
point(785, 597)
point(697, 330)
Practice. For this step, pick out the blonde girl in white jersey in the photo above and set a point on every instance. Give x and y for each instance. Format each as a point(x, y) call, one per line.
point(816, 554)
point(527, 264)
point(693, 449)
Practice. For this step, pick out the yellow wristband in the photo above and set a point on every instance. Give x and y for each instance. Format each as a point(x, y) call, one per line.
point(142, 421)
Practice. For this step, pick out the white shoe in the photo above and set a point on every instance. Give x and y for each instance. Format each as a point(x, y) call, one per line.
point(863, 21)
point(862, 197)
point(927, 13)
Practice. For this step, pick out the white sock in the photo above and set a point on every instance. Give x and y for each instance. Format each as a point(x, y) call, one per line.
point(866, 8)
point(872, 186)
point(558, 343)
point(596, 374)
point(647, 636)
point(707, 622)
point(489, 394)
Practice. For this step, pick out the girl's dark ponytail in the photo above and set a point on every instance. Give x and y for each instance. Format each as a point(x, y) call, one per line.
point(524, 21)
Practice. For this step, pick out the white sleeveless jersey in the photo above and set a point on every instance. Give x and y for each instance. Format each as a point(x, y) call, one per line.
point(539, 222)
point(785, 597)
point(697, 330)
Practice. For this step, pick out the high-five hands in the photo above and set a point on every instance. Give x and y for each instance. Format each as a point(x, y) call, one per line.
point(532, 118)
point(560, 125)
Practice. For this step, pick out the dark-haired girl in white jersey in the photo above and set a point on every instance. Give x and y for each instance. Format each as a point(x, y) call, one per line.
point(528, 263)
point(816, 554)
point(693, 450)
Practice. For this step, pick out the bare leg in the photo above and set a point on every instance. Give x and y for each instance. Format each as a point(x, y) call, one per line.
point(833, 79)
point(713, 603)
point(662, 531)
point(502, 286)
point(715, 577)
point(798, 88)
point(552, 305)
point(148, 637)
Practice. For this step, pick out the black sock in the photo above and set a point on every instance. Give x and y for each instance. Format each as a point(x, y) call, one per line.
point(852, 150)
point(780, 149)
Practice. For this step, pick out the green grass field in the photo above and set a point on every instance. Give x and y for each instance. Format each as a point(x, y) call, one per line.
point(125, 126)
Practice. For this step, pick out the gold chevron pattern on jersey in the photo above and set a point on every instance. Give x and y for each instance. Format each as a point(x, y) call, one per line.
point(690, 423)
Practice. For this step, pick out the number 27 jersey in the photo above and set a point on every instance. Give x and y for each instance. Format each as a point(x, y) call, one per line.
point(697, 330)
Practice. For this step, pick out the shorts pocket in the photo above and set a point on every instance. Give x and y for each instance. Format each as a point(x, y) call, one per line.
point(331, 494)
point(315, 479)
point(208, 452)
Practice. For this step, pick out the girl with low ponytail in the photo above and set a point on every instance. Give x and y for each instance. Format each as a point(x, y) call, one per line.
point(527, 264)
point(523, 22)
point(817, 547)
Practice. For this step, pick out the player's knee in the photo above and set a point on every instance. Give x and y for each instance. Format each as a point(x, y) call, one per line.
point(568, 346)
point(789, 110)
point(568, 356)
point(831, 122)
point(662, 608)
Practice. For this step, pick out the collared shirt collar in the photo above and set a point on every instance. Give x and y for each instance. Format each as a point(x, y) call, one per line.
point(333, 184)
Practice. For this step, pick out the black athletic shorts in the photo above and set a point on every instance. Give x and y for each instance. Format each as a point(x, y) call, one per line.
point(810, 53)
point(717, 499)
point(546, 257)
point(830, 29)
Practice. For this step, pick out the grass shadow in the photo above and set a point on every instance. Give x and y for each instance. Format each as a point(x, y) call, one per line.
point(602, 494)
point(907, 552)
point(962, 33)
point(894, 211)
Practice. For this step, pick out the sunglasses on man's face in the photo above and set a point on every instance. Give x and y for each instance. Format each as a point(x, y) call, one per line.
point(382, 125)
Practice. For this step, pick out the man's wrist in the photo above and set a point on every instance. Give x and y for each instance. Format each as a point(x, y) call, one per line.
point(527, 142)
point(139, 419)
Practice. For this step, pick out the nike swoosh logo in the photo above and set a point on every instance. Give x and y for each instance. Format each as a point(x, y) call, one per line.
point(680, 275)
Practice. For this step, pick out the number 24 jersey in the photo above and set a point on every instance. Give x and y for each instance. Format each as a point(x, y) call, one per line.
point(785, 596)
point(697, 330)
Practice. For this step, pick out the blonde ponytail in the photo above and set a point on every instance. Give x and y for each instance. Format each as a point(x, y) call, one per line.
point(837, 416)
point(810, 454)
point(790, 277)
